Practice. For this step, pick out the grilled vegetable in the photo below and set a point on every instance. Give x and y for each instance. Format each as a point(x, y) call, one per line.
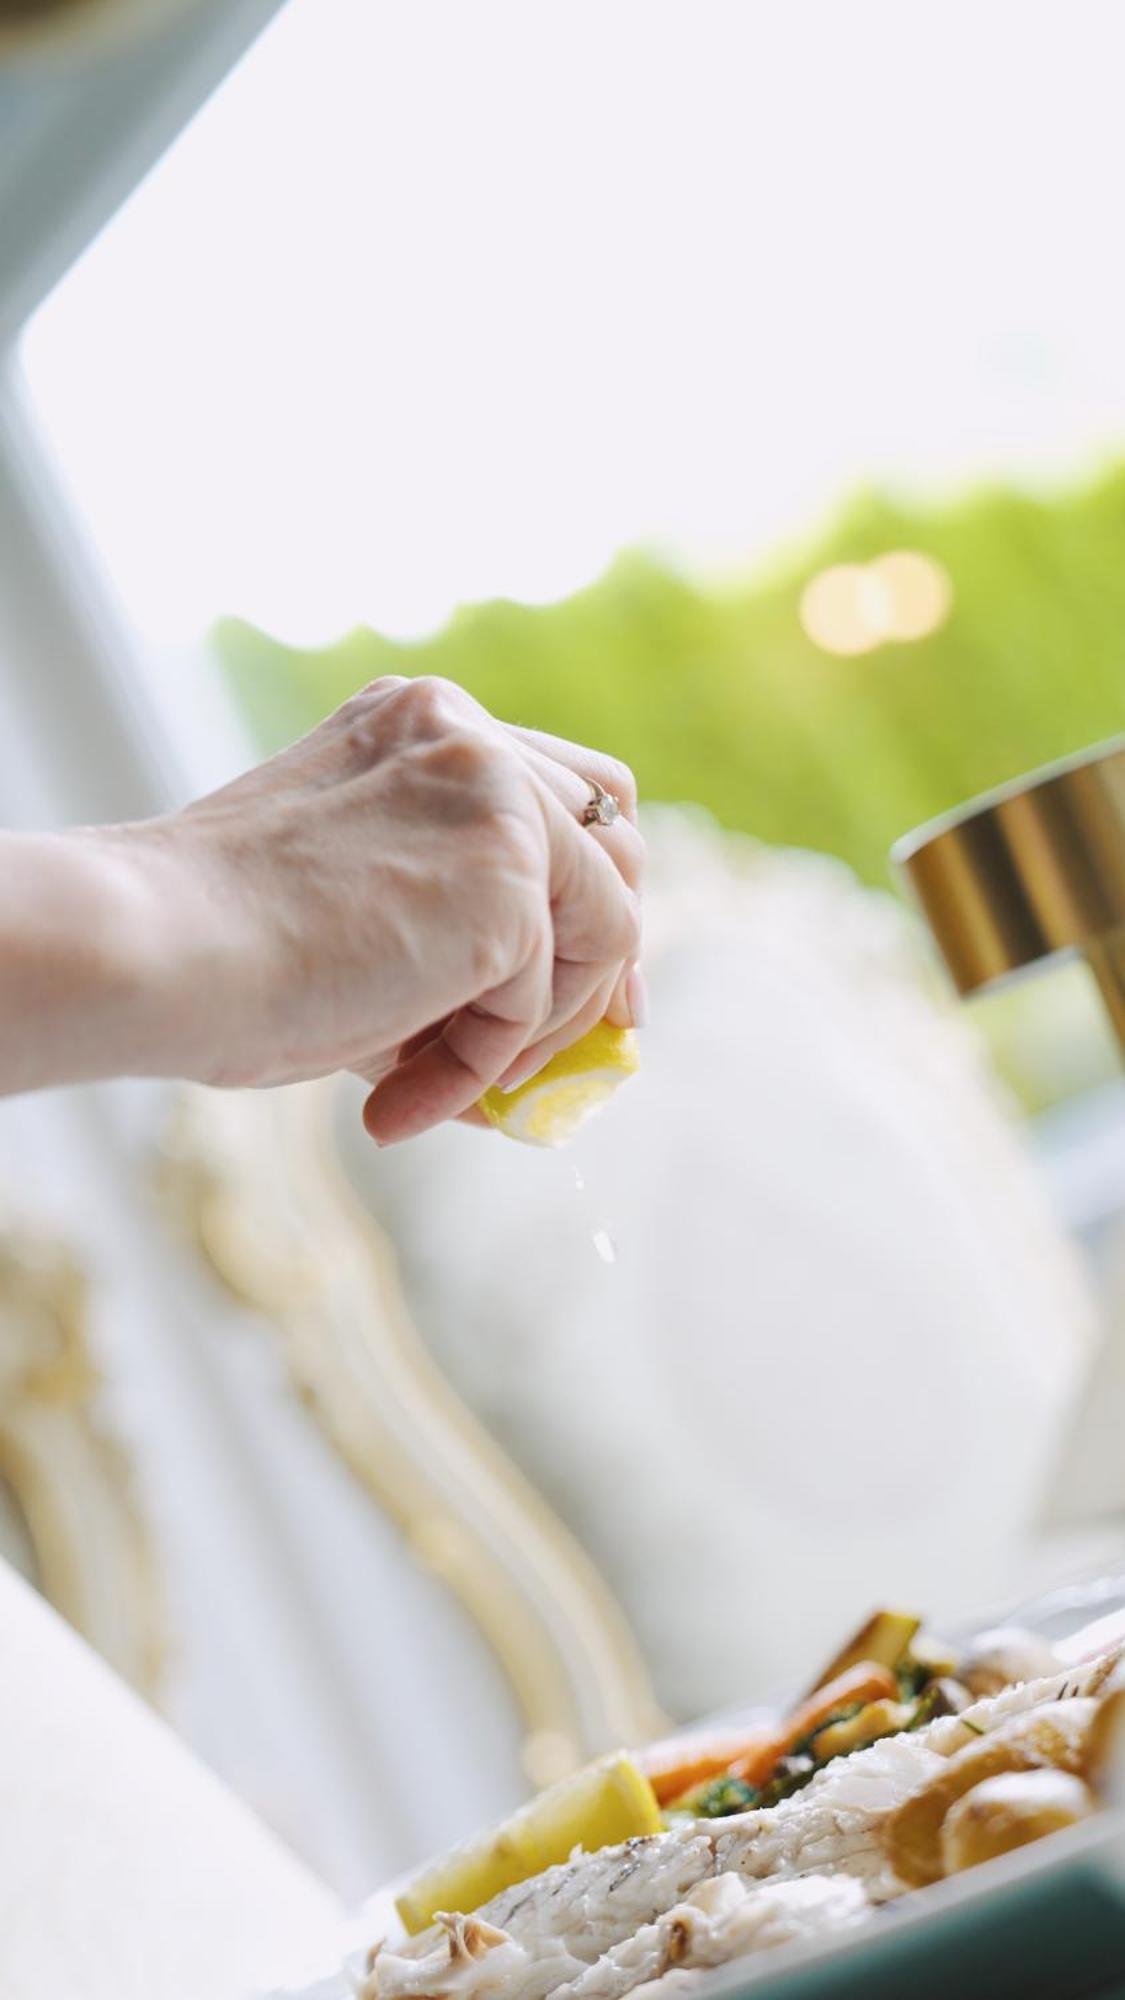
point(860, 1684)
point(933, 1657)
point(883, 1640)
point(680, 1767)
point(875, 1719)
point(790, 1774)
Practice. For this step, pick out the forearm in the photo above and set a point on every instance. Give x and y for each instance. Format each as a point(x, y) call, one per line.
point(415, 893)
point(80, 979)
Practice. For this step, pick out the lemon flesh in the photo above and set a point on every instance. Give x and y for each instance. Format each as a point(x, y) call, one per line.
point(549, 1108)
point(599, 1806)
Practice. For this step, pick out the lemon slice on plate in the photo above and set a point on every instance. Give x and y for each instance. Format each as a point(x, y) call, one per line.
point(549, 1108)
point(599, 1806)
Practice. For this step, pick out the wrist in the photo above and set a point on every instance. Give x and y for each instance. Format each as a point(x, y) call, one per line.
point(153, 953)
point(79, 993)
point(128, 975)
point(170, 952)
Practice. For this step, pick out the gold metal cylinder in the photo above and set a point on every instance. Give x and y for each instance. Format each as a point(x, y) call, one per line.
point(1032, 869)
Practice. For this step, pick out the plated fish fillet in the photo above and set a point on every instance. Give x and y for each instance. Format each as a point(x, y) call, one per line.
point(595, 1927)
point(584, 1907)
point(723, 1918)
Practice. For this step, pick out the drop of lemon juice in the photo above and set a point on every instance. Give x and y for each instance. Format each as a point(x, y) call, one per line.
point(603, 1243)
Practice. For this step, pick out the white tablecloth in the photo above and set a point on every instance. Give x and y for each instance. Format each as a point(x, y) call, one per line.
point(127, 1872)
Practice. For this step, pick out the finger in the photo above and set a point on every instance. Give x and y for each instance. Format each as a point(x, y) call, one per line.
point(477, 1045)
point(591, 765)
point(597, 915)
point(375, 1064)
point(540, 1052)
point(572, 986)
point(597, 935)
point(424, 1036)
point(621, 841)
point(619, 1010)
point(475, 1116)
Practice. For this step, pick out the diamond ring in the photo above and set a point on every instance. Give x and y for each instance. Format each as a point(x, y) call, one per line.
point(603, 808)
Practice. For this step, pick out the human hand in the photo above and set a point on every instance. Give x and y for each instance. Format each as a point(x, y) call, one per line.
point(408, 893)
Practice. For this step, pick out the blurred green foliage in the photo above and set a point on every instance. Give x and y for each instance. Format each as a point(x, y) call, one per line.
point(718, 696)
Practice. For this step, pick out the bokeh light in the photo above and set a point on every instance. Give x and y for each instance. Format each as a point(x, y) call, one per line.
point(840, 610)
point(915, 593)
point(852, 608)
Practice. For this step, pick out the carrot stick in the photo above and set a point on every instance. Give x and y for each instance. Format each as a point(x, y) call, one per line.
point(683, 1762)
point(862, 1683)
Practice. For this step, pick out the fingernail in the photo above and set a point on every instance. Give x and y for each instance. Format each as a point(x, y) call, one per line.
point(636, 994)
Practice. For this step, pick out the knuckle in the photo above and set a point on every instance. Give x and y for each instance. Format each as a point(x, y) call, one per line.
point(424, 697)
point(463, 763)
point(361, 720)
point(363, 717)
point(395, 710)
point(465, 759)
point(482, 765)
point(367, 698)
point(383, 684)
point(432, 703)
point(490, 958)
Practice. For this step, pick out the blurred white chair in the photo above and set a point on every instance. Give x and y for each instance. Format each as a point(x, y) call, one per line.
point(842, 1338)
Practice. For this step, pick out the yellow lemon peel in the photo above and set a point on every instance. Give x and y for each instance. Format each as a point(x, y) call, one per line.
point(549, 1108)
point(599, 1806)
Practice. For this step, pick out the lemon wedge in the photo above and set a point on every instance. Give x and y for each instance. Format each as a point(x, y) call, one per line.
point(599, 1806)
point(549, 1108)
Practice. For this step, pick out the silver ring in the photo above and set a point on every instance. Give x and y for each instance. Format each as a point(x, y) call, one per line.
point(603, 808)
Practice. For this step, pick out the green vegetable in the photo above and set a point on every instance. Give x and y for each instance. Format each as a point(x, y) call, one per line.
point(792, 1775)
point(913, 1677)
point(720, 1798)
point(844, 1714)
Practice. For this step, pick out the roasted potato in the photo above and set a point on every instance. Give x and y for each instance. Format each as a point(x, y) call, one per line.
point(1105, 1748)
point(1058, 1737)
point(1000, 1658)
point(1009, 1811)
